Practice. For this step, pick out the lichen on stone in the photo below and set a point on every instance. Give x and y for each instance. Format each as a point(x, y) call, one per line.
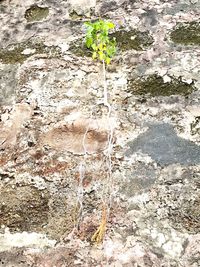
point(36, 13)
point(74, 15)
point(134, 39)
point(195, 126)
point(154, 85)
point(13, 53)
point(8, 81)
point(186, 33)
point(187, 218)
point(79, 49)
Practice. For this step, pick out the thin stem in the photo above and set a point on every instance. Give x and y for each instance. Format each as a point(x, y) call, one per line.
point(108, 151)
point(105, 91)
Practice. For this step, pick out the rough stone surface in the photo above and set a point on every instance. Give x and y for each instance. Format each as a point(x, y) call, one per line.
point(68, 165)
point(8, 84)
point(162, 144)
point(83, 6)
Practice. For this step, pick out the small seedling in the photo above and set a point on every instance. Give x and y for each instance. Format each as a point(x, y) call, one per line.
point(97, 39)
point(103, 48)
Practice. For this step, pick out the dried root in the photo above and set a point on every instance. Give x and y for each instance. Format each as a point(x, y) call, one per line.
point(100, 232)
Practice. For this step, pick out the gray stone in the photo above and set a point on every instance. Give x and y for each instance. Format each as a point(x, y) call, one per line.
point(150, 17)
point(82, 6)
point(8, 83)
point(108, 6)
point(165, 147)
point(140, 178)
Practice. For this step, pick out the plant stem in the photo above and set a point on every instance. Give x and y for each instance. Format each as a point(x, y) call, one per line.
point(105, 93)
point(108, 151)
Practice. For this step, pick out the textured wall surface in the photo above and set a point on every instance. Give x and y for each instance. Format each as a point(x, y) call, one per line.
point(66, 162)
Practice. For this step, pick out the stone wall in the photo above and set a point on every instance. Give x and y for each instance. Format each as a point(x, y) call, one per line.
point(67, 165)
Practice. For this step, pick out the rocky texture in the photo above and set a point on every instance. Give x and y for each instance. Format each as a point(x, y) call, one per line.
point(83, 6)
point(155, 85)
point(18, 53)
point(78, 137)
point(133, 39)
point(8, 83)
point(161, 143)
point(187, 34)
point(67, 165)
point(36, 13)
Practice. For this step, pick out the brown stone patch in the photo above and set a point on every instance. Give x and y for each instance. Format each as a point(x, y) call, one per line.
point(15, 258)
point(23, 208)
point(51, 168)
point(77, 137)
point(11, 124)
point(57, 257)
point(21, 257)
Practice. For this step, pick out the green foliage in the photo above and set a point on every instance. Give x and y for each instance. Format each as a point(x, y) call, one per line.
point(98, 41)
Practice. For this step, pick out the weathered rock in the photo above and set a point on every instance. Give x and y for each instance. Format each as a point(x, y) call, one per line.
point(127, 40)
point(8, 84)
point(165, 147)
point(36, 13)
point(140, 178)
point(82, 6)
point(191, 256)
point(155, 85)
point(65, 167)
point(12, 124)
point(186, 34)
point(78, 137)
point(18, 53)
point(23, 208)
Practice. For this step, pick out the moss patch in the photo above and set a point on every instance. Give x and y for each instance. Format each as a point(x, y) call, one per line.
point(186, 33)
point(14, 53)
point(127, 40)
point(26, 208)
point(36, 13)
point(23, 208)
point(154, 85)
point(186, 216)
point(195, 127)
point(79, 49)
point(75, 16)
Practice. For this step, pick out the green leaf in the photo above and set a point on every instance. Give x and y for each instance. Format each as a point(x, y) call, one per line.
point(100, 46)
point(111, 25)
point(97, 25)
point(97, 39)
point(94, 46)
point(94, 55)
point(111, 50)
point(108, 60)
point(89, 41)
point(101, 55)
point(87, 23)
point(88, 26)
